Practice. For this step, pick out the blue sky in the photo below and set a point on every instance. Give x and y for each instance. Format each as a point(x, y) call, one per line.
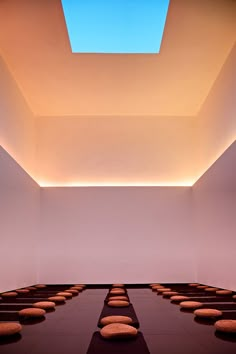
point(115, 26)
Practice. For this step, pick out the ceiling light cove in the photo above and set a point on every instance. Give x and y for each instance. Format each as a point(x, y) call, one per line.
point(115, 26)
point(45, 184)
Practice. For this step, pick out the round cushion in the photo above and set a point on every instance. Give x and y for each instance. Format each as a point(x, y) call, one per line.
point(190, 304)
point(118, 285)
point(120, 292)
point(46, 305)
point(124, 298)
point(211, 289)
point(117, 289)
point(81, 285)
point(228, 326)
point(40, 286)
point(32, 312)
point(116, 319)
point(57, 298)
point(169, 293)
point(154, 288)
point(234, 297)
point(163, 290)
point(118, 330)
point(193, 284)
point(207, 313)
point(178, 298)
point(9, 328)
point(31, 288)
point(22, 291)
point(154, 284)
point(72, 291)
point(224, 292)
point(78, 288)
point(9, 294)
point(64, 293)
point(202, 286)
point(118, 303)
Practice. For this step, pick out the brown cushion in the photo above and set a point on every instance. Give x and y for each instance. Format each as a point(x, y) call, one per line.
point(224, 292)
point(72, 291)
point(9, 328)
point(80, 285)
point(202, 286)
point(118, 303)
point(64, 293)
point(169, 293)
point(118, 285)
point(117, 292)
point(32, 312)
point(31, 288)
point(78, 288)
point(234, 297)
point(118, 330)
point(116, 319)
point(156, 287)
point(22, 291)
point(40, 286)
point(190, 304)
point(154, 284)
point(9, 294)
point(46, 305)
point(228, 326)
point(211, 289)
point(124, 298)
point(193, 284)
point(207, 313)
point(57, 298)
point(178, 298)
point(163, 290)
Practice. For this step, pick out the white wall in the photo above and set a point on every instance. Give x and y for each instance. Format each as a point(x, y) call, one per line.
point(19, 194)
point(170, 234)
point(214, 210)
point(17, 123)
point(216, 122)
point(214, 194)
point(102, 235)
point(19, 222)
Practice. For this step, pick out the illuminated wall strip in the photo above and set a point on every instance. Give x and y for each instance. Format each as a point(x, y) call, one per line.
point(117, 184)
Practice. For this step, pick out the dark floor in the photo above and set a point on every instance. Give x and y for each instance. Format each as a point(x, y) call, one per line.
point(68, 330)
point(166, 329)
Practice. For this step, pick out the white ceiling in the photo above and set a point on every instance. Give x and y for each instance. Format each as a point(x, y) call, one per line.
point(198, 37)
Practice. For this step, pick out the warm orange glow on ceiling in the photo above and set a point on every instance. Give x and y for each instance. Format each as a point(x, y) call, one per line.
point(56, 82)
point(84, 184)
point(117, 121)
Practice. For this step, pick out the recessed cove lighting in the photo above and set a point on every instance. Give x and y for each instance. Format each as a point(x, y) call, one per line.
point(45, 184)
point(115, 26)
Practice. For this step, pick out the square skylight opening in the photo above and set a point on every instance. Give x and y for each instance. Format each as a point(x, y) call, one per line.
point(115, 26)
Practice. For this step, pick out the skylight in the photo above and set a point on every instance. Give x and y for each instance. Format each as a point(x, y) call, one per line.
point(115, 26)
